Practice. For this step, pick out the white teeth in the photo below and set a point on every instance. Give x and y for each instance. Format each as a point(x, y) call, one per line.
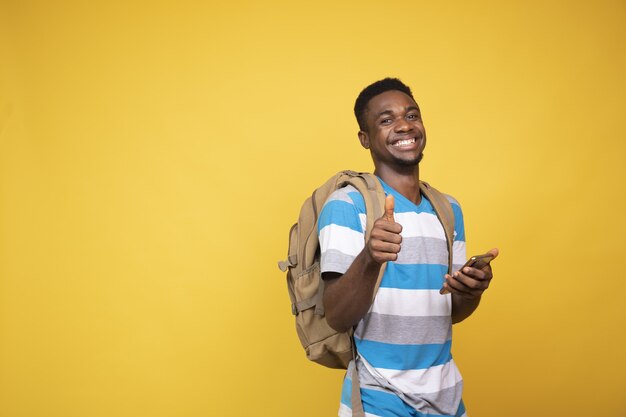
point(404, 142)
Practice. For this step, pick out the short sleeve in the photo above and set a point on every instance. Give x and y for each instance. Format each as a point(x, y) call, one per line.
point(340, 227)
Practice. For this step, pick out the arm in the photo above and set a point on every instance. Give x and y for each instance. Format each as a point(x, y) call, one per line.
point(467, 287)
point(348, 297)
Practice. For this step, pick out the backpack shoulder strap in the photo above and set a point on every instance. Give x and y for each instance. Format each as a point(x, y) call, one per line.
point(443, 208)
point(374, 196)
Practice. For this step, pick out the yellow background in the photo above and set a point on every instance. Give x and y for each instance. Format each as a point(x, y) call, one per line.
point(153, 156)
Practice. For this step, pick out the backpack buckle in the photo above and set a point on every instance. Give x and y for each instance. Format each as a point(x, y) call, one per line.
point(284, 265)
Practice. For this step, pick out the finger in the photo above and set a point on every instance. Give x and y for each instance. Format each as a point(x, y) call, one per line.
point(389, 206)
point(476, 273)
point(387, 247)
point(495, 252)
point(482, 273)
point(388, 234)
point(445, 288)
point(449, 288)
point(381, 256)
point(452, 286)
point(471, 283)
point(464, 286)
point(388, 226)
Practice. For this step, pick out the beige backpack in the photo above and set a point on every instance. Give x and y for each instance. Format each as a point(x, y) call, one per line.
point(321, 342)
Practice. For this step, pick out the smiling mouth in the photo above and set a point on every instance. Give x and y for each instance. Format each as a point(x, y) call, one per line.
point(404, 142)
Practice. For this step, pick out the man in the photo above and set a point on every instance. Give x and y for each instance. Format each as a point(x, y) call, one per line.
point(403, 338)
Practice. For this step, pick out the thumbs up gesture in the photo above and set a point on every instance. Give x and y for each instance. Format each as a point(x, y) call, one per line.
point(385, 239)
point(389, 207)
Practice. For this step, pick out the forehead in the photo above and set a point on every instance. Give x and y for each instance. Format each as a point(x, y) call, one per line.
point(392, 100)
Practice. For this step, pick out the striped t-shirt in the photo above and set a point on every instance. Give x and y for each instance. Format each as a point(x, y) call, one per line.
point(403, 342)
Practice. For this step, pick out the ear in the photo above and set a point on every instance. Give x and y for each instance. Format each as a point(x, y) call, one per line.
point(364, 139)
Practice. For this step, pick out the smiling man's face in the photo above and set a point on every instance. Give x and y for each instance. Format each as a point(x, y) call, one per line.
point(395, 133)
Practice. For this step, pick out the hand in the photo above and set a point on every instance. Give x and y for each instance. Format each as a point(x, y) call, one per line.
point(469, 282)
point(384, 242)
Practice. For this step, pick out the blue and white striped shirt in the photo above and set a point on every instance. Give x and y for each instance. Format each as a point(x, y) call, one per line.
point(404, 341)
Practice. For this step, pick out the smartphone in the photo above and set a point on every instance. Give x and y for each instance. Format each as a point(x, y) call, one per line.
point(478, 262)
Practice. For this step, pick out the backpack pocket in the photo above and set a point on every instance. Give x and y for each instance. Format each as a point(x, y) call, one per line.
point(321, 342)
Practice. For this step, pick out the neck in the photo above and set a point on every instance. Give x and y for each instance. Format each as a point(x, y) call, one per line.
point(404, 180)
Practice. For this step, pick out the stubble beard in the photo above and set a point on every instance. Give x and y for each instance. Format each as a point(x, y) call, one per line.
point(411, 162)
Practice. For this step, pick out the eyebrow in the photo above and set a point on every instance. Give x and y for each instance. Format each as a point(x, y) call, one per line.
point(407, 109)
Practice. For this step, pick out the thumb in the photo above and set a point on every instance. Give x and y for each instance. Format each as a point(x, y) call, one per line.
point(389, 206)
point(494, 252)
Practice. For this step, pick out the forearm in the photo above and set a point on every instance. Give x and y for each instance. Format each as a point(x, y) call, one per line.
point(348, 297)
point(463, 307)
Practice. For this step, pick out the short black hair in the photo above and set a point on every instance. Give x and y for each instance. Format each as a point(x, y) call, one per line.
point(371, 91)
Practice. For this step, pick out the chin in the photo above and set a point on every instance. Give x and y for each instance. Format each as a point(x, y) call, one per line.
point(411, 162)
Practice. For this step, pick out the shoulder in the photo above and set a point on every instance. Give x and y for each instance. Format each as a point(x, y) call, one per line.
point(346, 195)
point(456, 206)
point(453, 202)
point(459, 222)
point(344, 207)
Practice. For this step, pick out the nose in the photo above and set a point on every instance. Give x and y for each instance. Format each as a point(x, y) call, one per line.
point(403, 125)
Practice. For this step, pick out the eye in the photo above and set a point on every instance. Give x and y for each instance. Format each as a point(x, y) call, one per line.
point(385, 121)
point(413, 117)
